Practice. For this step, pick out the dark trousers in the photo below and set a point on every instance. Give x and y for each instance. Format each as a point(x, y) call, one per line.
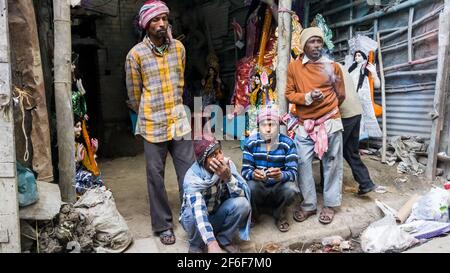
point(351, 152)
point(182, 153)
point(276, 197)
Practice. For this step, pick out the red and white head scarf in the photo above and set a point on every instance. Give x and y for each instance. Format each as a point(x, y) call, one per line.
point(150, 10)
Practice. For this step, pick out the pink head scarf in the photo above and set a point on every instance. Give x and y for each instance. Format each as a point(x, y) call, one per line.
point(150, 10)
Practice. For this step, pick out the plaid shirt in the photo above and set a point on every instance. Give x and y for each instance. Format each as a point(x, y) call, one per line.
point(206, 202)
point(256, 156)
point(155, 83)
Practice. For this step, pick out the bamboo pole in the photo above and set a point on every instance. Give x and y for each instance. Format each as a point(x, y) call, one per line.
point(415, 40)
point(350, 31)
point(424, 18)
point(284, 53)
point(63, 101)
point(440, 97)
point(378, 14)
point(344, 7)
point(410, 40)
point(415, 62)
point(9, 204)
point(383, 101)
point(412, 73)
point(306, 9)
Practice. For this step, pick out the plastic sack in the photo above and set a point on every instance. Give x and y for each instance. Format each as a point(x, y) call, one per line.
point(112, 233)
point(431, 207)
point(384, 235)
point(422, 229)
point(27, 187)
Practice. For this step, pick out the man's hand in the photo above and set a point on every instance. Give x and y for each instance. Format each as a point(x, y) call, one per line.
point(317, 95)
point(275, 173)
point(213, 247)
point(221, 168)
point(259, 175)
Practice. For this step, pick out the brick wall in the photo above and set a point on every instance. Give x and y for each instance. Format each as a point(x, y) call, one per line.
point(117, 35)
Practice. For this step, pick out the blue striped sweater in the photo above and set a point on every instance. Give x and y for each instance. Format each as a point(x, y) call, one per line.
point(283, 156)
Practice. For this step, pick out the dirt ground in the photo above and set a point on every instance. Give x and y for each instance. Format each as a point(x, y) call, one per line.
point(126, 178)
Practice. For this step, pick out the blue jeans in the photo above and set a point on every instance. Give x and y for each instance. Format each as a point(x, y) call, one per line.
point(226, 221)
point(333, 171)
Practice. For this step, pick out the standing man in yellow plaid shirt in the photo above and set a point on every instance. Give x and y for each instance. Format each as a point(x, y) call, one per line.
point(155, 82)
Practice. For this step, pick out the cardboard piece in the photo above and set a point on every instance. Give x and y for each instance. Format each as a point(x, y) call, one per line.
point(404, 212)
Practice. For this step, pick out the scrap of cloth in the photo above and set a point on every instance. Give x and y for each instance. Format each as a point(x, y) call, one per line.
point(150, 10)
point(155, 84)
point(317, 132)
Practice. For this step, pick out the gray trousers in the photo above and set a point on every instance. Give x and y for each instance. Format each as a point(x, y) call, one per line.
point(277, 197)
point(182, 153)
point(333, 171)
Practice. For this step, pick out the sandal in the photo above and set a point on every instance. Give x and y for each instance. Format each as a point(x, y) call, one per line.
point(167, 237)
point(326, 215)
point(283, 224)
point(301, 215)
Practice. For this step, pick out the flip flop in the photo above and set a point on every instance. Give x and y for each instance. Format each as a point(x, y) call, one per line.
point(301, 215)
point(167, 237)
point(326, 215)
point(283, 224)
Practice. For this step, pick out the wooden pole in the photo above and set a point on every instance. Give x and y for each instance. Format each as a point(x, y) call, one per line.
point(284, 53)
point(424, 18)
point(377, 14)
point(410, 39)
point(63, 101)
point(9, 204)
point(350, 31)
point(306, 8)
point(440, 96)
point(344, 7)
point(411, 73)
point(383, 101)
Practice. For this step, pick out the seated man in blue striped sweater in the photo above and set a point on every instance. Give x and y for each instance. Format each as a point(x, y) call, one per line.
point(269, 165)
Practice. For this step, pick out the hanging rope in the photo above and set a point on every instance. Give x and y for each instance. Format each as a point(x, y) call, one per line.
point(21, 96)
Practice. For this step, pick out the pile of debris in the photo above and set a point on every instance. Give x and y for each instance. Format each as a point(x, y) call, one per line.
point(332, 244)
point(92, 224)
point(68, 232)
point(419, 219)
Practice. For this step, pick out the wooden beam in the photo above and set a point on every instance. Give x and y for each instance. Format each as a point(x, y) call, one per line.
point(63, 99)
point(440, 96)
point(383, 101)
point(377, 14)
point(306, 8)
point(424, 19)
point(350, 30)
point(344, 7)
point(410, 40)
point(284, 53)
point(9, 205)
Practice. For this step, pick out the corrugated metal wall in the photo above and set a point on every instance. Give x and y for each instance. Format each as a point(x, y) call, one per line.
point(409, 98)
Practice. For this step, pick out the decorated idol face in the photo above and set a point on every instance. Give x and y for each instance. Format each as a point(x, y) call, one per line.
point(77, 129)
point(256, 80)
point(359, 58)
